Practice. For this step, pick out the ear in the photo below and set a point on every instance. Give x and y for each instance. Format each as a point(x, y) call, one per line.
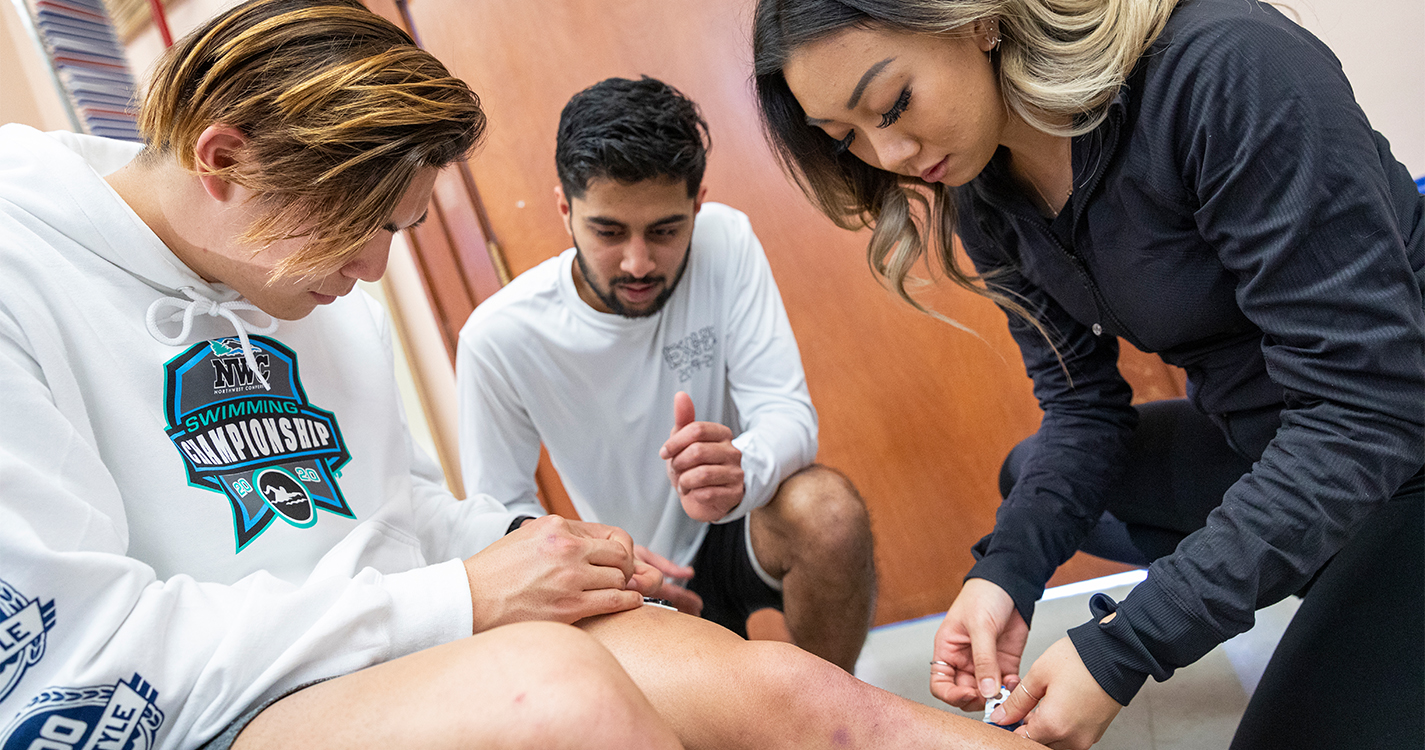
point(985, 33)
point(217, 148)
point(565, 212)
point(698, 201)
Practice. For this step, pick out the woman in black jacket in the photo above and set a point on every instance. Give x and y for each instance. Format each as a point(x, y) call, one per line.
point(1194, 177)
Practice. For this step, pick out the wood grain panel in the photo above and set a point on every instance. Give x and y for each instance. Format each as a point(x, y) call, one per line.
point(918, 414)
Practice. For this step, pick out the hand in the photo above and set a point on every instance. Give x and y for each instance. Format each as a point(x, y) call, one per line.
point(703, 465)
point(980, 642)
point(686, 601)
point(555, 569)
point(1072, 710)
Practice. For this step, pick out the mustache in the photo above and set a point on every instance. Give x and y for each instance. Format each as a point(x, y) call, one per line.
point(626, 279)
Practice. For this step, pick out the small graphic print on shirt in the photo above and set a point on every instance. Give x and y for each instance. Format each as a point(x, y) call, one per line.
point(23, 626)
point(270, 452)
point(122, 716)
point(693, 353)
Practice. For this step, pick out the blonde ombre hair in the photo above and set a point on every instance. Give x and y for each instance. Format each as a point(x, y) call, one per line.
point(340, 110)
point(1059, 65)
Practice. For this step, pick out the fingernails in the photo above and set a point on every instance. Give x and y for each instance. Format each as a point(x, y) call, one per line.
point(998, 715)
point(988, 688)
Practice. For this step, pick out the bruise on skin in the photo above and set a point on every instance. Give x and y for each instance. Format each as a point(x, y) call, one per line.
point(841, 737)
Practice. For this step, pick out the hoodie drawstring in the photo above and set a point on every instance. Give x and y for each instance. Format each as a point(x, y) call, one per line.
point(197, 304)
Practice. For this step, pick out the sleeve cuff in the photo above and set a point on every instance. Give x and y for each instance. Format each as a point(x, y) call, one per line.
point(1003, 572)
point(429, 606)
point(1113, 653)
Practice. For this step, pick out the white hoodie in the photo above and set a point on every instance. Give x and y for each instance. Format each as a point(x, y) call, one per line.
point(179, 541)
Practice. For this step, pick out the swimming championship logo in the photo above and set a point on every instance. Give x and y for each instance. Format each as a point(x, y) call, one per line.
point(122, 716)
point(271, 452)
point(23, 626)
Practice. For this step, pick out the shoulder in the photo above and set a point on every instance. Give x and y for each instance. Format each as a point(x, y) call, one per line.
point(1228, 77)
point(1241, 48)
point(521, 307)
point(727, 233)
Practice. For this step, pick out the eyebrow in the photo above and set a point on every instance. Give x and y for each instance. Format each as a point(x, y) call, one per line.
point(392, 228)
point(609, 222)
point(866, 77)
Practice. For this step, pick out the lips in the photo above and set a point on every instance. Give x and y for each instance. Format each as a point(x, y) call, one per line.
point(639, 292)
point(937, 172)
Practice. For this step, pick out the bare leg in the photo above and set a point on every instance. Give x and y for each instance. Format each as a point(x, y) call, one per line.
point(815, 536)
point(531, 685)
point(719, 691)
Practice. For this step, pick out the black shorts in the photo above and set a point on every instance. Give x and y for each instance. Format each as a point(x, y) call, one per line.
point(725, 577)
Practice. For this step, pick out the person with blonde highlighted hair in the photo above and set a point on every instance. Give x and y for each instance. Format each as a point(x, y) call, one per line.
point(1193, 177)
point(214, 529)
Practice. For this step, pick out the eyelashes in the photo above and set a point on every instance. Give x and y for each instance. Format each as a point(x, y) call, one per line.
point(889, 117)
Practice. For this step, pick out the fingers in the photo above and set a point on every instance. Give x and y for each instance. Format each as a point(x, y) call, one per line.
point(977, 646)
point(1020, 702)
point(952, 673)
point(709, 476)
point(945, 686)
point(694, 432)
point(709, 504)
point(594, 544)
point(1070, 710)
point(984, 648)
point(665, 566)
point(603, 602)
point(646, 580)
point(613, 554)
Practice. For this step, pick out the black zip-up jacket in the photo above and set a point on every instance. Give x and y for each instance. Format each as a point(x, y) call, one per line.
point(1237, 215)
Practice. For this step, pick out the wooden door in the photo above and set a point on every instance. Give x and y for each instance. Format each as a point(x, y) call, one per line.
point(918, 414)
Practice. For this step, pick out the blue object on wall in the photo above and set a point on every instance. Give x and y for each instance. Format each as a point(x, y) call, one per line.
point(1420, 184)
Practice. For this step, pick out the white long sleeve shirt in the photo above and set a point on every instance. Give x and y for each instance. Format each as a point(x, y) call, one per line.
point(537, 363)
point(177, 541)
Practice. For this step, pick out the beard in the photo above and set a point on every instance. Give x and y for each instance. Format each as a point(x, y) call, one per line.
point(606, 295)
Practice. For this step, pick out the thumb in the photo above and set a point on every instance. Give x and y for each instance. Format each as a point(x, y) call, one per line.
point(683, 411)
point(1019, 703)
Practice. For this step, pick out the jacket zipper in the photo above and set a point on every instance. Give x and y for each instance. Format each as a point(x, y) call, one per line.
point(1100, 301)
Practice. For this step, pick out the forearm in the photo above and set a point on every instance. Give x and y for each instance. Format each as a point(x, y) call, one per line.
point(1276, 528)
point(1081, 448)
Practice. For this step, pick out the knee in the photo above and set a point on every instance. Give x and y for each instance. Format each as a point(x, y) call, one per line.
point(559, 683)
point(782, 674)
point(823, 509)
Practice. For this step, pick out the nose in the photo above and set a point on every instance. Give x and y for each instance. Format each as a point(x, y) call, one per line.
point(370, 263)
point(894, 151)
point(637, 258)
